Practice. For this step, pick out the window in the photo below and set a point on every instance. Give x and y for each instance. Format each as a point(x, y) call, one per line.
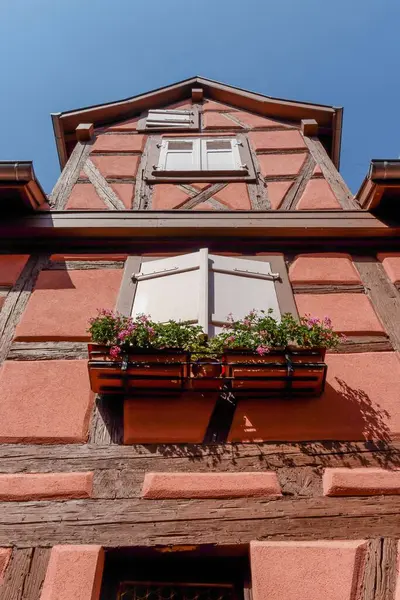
point(169, 120)
point(200, 159)
point(200, 155)
point(205, 288)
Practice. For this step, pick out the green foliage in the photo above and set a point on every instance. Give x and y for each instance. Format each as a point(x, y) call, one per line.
point(257, 332)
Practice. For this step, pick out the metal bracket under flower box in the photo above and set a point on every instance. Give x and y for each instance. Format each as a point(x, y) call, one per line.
point(280, 372)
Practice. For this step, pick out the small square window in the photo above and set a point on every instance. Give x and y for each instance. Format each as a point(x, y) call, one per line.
point(200, 159)
point(169, 120)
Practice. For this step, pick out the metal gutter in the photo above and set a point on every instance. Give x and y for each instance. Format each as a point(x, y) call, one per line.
point(384, 170)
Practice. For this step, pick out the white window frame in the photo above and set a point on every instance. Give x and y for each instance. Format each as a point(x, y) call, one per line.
point(200, 154)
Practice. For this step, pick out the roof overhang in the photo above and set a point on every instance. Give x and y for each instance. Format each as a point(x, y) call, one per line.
point(380, 189)
point(20, 191)
point(140, 230)
point(329, 118)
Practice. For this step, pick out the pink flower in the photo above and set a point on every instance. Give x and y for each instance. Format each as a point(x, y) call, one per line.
point(311, 321)
point(261, 350)
point(150, 330)
point(343, 338)
point(229, 318)
point(123, 334)
point(246, 322)
point(115, 351)
point(230, 339)
point(143, 318)
point(327, 322)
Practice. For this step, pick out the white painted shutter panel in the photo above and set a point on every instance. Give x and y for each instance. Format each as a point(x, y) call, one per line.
point(220, 155)
point(169, 118)
point(173, 288)
point(238, 286)
point(179, 155)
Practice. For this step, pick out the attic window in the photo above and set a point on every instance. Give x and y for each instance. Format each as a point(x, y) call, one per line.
point(169, 120)
point(200, 159)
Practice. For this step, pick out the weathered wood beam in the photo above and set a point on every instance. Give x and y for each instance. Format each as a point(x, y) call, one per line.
point(138, 522)
point(380, 572)
point(383, 294)
point(105, 192)
point(337, 288)
point(16, 458)
point(17, 300)
point(69, 176)
point(47, 351)
point(83, 265)
point(295, 192)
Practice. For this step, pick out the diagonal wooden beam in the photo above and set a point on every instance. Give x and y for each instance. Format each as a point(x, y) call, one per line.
point(101, 186)
point(203, 196)
point(296, 190)
point(69, 176)
point(331, 174)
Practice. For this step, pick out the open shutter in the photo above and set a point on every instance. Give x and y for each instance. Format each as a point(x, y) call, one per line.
point(173, 288)
point(238, 286)
point(179, 155)
point(169, 118)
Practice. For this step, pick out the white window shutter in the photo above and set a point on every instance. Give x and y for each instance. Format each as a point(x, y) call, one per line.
point(169, 118)
point(220, 155)
point(173, 288)
point(179, 155)
point(238, 286)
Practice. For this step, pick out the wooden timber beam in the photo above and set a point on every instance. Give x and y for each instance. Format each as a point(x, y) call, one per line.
point(77, 229)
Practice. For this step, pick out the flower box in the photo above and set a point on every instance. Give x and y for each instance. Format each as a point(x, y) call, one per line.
point(141, 369)
point(300, 371)
point(206, 374)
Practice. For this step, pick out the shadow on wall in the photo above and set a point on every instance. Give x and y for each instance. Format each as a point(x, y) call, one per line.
point(57, 279)
point(343, 421)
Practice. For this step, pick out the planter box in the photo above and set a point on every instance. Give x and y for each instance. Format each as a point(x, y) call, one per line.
point(206, 375)
point(300, 371)
point(142, 369)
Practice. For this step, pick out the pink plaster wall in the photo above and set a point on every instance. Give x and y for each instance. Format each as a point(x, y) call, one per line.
point(323, 570)
point(5, 555)
point(277, 140)
point(254, 121)
point(360, 402)
point(184, 418)
point(118, 143)
point(74, 573)
point(63, 302)
point(167, 196)
point(215, 120)
point(11, 267)
point(397, 593)
point(45, 486)
point(350, 313)
point(45, 401)
point(323, 268)
point(280, 164)
point(234, 196)
point(84, 197)
point(277, 191)
point(366, 481)
point(210, 485)
point(318, 195)
point(391, 264)
point(115, 166)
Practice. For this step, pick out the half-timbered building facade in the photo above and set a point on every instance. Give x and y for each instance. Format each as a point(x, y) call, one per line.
point(191, 202)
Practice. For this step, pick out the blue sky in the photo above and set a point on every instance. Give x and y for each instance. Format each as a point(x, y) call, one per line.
point(62, 54)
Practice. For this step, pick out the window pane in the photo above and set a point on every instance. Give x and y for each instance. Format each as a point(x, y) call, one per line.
point(170, 591)
point(219, 145)
point(180, 145)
